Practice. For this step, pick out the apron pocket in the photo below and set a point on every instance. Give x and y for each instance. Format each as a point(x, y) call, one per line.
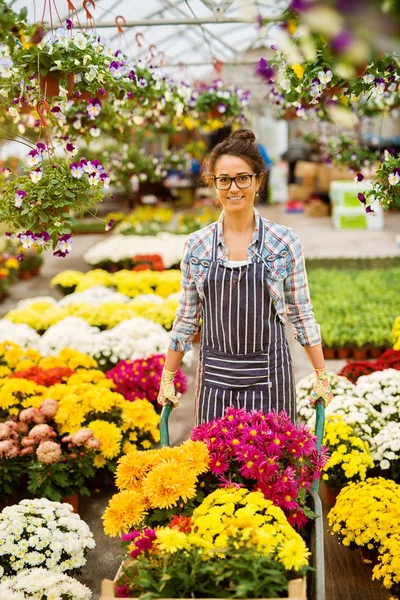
point(239, 372)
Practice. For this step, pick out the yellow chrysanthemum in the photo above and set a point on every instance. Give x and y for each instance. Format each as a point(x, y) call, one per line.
point(110, 437)
point(168, 483)
point(171, 540)
point(196, 455)
point(139, 414)
point(124, 511)
point(293, 554)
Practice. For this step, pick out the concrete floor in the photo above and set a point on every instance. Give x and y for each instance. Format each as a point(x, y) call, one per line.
point(319, 240)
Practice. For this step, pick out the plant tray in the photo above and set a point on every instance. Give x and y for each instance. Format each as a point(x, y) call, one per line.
point(297, 589)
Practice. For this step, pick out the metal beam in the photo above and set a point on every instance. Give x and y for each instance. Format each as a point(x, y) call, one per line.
point(188, 21)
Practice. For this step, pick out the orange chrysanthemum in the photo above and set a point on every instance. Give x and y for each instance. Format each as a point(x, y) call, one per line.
point(124, 511)
point(133, 467)
point(168, 483)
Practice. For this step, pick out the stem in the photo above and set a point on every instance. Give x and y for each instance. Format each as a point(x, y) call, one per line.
point(95, 216)
point(14, 140)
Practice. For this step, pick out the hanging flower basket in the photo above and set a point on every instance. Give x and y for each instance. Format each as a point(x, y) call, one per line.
point(50, 83)
point(36, 205)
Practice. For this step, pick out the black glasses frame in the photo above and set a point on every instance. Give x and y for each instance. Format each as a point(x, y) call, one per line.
point(240, 187)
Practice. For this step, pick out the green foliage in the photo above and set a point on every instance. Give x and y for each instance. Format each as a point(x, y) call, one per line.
point(356, 307)
point(11, 471)
point(345, 152)
point(64, 478)
point(235, 571)
point(387, 194)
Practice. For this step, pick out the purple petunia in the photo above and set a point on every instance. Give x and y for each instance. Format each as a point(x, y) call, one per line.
point(64, 246)
point(19, 197)
point(42, 238)
point(117, 69)
point(361, 198)
point(71, 149)
point(265, 70)
point(109, 225)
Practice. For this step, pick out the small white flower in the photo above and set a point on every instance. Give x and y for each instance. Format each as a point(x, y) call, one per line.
point(36, 176)
point(325, 76)
point(369, 78)
point(393, 179)
point(80, 40)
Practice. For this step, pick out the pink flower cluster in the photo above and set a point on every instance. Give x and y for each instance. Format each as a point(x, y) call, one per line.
point(142, 541)
point(83, 437)
point(266, 452)
point(141, 378)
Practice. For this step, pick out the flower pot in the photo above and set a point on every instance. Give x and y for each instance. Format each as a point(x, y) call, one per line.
point(25, 275)
point(35, 272)
point(328, 494)
point(369, 557)
point(360, 353)
point(329, 353)
point(343, 352)
point(374, 352)
point(50, 85)
point(290, 114)
point(73, 500)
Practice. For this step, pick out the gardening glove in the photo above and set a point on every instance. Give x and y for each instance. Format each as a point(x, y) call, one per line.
point(321, 388)
point(167, 389)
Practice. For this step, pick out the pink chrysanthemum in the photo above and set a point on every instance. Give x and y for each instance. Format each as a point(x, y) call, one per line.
point(141, 378)
point(48, 452)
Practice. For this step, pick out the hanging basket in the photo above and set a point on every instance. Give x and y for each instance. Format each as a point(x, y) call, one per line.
point(88, 95)
point(50, 83)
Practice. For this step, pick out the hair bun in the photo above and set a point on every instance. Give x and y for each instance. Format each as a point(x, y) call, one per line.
point(244, 134)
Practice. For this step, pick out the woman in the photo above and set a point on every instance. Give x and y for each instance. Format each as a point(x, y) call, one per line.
point(240, 275)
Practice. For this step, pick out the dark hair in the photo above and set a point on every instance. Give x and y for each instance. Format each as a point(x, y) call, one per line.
point(240, 143)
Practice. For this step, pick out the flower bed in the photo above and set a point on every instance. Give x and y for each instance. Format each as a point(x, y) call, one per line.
point(61, 421)
point(345, 300)
point(118, 250)
point(144, 220)
point(41, 315)
point(131, 339)
point(125, 282)
point(355, 369)
point(366, 515)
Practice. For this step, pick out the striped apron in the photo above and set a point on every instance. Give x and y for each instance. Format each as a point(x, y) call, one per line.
point(244, 357)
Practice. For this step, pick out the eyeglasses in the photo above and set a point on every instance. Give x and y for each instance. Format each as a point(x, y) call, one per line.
point(242, 181)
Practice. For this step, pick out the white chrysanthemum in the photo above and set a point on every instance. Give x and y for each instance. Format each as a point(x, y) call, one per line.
point(382, 390)
point(40, 583)
point(71, 536)
point(385, 446)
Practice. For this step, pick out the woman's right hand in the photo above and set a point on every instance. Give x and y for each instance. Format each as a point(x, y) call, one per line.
point(167, 389)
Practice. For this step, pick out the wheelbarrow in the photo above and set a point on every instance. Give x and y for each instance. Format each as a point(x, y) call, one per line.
point(316, 577)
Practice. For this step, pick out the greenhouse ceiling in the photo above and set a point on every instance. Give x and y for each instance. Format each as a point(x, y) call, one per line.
point(188, 38)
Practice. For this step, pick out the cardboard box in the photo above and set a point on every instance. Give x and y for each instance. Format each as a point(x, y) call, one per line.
point(316, 208)
point(327, 173)
point(299, 192)
point(306, 173)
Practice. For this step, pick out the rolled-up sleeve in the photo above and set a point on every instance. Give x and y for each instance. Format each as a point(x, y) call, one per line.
point(297, 297)
point(187, 320)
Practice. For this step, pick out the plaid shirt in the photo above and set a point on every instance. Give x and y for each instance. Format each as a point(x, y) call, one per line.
point(286, 280)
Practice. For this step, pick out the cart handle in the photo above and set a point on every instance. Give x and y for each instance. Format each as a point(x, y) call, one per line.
point(164, 432)
point(319, 431)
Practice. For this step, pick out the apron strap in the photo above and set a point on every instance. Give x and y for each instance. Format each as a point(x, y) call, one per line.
point(215, 244)
point(261, 235)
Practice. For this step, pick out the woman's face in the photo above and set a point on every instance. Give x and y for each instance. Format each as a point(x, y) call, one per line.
point(235, 198)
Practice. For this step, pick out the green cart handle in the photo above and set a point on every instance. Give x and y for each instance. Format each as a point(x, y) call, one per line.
point(319, 430)
point(164, 432)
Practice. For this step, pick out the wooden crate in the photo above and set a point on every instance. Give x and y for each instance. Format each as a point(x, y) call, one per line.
point(297, 590)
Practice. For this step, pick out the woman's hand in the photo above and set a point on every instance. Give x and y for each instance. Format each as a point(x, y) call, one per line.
point(167, 389)
point(321, 388)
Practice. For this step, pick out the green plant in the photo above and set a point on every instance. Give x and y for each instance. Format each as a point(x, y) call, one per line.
point(386, 184)
point(234, 571)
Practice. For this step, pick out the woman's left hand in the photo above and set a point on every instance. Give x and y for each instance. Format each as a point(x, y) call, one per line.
point(321, 388)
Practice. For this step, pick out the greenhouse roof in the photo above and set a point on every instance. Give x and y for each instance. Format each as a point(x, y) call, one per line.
point(190, 38)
